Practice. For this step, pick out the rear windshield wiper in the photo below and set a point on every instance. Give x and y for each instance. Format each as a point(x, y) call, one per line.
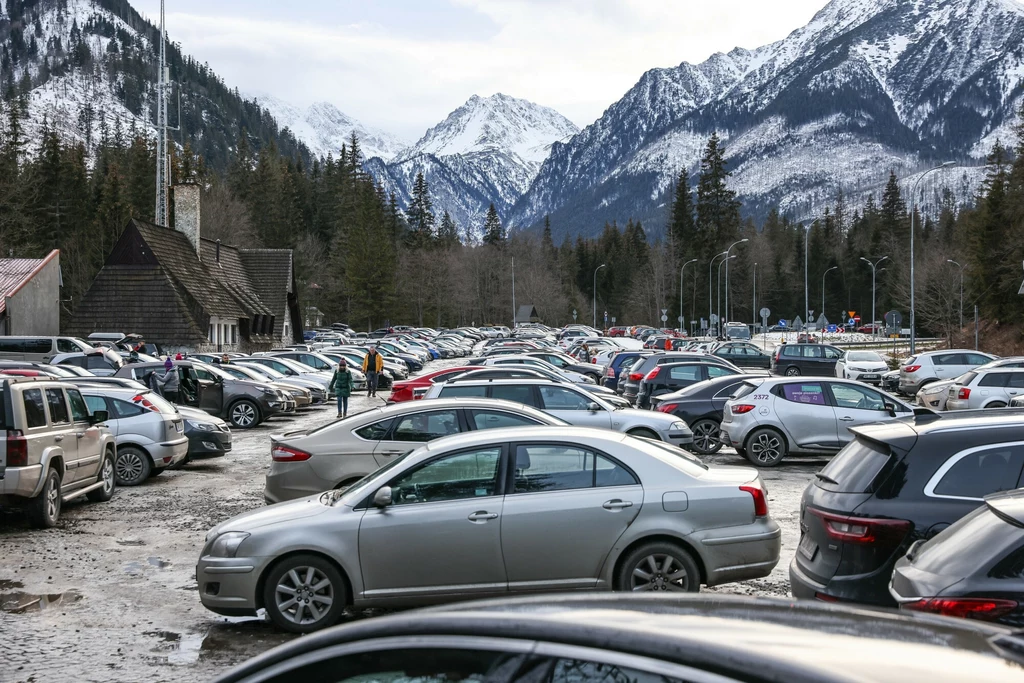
point(825, 478)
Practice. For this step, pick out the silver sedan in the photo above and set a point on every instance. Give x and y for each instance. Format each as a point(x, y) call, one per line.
point(494, 513)
point(344, 451)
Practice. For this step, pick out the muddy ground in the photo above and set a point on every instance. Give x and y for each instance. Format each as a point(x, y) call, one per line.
point(110, 593)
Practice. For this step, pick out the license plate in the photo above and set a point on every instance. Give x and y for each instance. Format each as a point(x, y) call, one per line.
point(179, 426)
point(808, 548)
point(869, 377)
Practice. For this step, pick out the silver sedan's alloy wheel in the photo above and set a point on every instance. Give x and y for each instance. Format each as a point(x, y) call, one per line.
point(660, 572)
point(243, 415)
point(706, 437)
point(132, 467)
point(792, 372)
point(766, 448)
point(304, 595)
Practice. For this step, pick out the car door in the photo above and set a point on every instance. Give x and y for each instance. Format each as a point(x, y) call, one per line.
point(211, 391)
point(94, 403)
point(573, 406)
point(442, 533)
point(88, 436)
point(61, 430)
point(679, 376)
point(805, 411)
point(949, 365)
point(564, 486)
point(412, 430)
point(856, 405)
point(830, 356)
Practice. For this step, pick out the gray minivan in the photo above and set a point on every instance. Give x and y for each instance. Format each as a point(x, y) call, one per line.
point(40, 349)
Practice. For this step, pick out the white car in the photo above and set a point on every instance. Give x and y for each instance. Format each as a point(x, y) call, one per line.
point(985, 388)
point(530, 361)
point(935, 395)
point(932, 366)
point(866, 366)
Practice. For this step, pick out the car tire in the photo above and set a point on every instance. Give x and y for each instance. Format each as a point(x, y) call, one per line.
point(594, 376)
point(765, 447)
point(298, 575)
point(706, 437)
point(792, 372)
point(132, 466)
point(652, 566)
point(244, 414)
point(44, 510)
point(109, 478)
point(645, 433)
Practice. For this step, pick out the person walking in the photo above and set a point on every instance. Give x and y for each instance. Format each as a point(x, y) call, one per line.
point(341, 386)
point(169, 384)
point(373, 364)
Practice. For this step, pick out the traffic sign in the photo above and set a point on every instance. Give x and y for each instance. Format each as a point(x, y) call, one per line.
point(613, 320)
point(664, 318)
point(783, 323)
point(714, 318)
point(853, 314)
point(765, 312)
point(833, 329)
point(664, 311)
point(680, 320)
point(574, 315)
point(852, 322)
point(798, 323)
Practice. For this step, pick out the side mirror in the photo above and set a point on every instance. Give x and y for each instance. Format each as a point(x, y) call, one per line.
point(593, 407)
point(99, 416)
point(890, 408)
point(382, 498)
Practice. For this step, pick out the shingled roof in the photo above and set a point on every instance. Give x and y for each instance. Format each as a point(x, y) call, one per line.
point(271, 273)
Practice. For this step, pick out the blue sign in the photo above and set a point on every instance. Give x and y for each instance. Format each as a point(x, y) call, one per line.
point(851, 322)
point(832, 329)
point(783, 323)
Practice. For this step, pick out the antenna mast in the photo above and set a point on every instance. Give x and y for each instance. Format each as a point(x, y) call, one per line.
point(163, 170)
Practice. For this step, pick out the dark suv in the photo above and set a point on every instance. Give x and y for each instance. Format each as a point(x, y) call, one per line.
point(630, 382)
point(815, 360)
point(894, 484)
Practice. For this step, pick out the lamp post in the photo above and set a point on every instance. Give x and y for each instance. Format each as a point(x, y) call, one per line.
point(874, 266)
point(823, 287)
point(913, 213)
point(724, 261)
point(753, 304)
point(681, 269)
point(727, 314)
point(807, 295)
point(595, 292)
point(711, 296)
point(961, 290)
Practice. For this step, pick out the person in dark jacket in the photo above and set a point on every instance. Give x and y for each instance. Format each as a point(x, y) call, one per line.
point(169, 384)
point(341, 386)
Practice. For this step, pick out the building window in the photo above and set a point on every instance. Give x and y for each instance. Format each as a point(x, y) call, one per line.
point(234, 334)
point(211, 334)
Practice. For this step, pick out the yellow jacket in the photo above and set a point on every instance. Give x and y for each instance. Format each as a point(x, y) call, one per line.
point(379, 364)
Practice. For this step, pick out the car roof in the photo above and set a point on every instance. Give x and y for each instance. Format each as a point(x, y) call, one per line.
point(458, 402)
point(112, 390)
point(546, 432)
point(733, 636)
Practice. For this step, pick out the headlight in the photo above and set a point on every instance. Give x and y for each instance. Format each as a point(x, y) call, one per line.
point(226, 545)
point(296, 392)
point(268, 391)
point(202, 426)
point(678, 427)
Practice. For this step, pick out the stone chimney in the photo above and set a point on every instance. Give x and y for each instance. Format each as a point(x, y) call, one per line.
point(186, 213)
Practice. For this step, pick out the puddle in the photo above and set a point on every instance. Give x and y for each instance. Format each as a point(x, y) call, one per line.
point(137, 567)
point(158, 563)
point(19, 602)
point(180, 649)
point(131, 541)
point(10, 584)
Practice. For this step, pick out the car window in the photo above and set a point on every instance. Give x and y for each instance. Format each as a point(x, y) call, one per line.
point(79, 411)
point(372, 432)
point(975, 359)
point(444, 377)
point(457, 391)
point(560, 398)
point(728, 390)
point(805, 392)
point(58, 406)
point(426, 426)
point(1015, 380)
point(426, 665)
point(97, 363)
point(685, 373)
point(35, 413)
point(832, 353)
point(541, 468)
point(718, 371)
point(513, 392)
point(811, 351)
point(994, 379)
point(496, 419)
point(460, 476)
point(996, 468)
point(791, 351)
point(948, 359)
point(125, 410)
point(858, 398)
point(205, 374)
point(96, 403)
point(67, 346)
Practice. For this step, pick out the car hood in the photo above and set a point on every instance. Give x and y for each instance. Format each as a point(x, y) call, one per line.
point(649, 417)
point(291, 511)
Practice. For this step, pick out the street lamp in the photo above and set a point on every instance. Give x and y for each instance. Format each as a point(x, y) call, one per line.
point(727, 315)
point(711, 296)
point(823, 287)
point(874, 266)
point(753, 304)
point(683, 268)
point(913, 212)
point(595, 292)
point(961, 290)
point(724, 262)
point(807, 294)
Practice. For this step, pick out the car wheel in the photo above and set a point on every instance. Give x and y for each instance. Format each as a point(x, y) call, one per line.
point(132, 466)
point(594, 376)
point(658, 567)
point(996, 404)
point(706, 437)
point(109, 479)
point(44, 509)
point(244, 414)
point(792, 372)
point(765, 448)
point(644, 433)
point(304, 593)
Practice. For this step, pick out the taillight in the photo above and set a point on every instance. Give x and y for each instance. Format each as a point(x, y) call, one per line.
point(285, 454)
point(911, 368)
point(145, 403)
point(635, 376)
point(742, 409)
point(862, 530)
point(963, 394)
point(609, 372)
point(17, 449)
point(652, 374)
point(985, 609)
point(760, 502)
point(667, 407)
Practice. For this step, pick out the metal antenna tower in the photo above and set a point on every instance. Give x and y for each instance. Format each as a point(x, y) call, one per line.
point(163, 170)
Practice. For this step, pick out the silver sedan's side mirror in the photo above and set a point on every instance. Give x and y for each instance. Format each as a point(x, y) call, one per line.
point(593, 407)
point(382, 498)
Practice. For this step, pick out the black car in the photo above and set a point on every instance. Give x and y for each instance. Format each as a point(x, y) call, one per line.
point(639, 370)
point(896, 483)
point(814, 360)
point(973, 569)
point(669, 377)
point(653, 638)
point(744, 355)
point(591, 370)
point(208, 437)
point(700, 406)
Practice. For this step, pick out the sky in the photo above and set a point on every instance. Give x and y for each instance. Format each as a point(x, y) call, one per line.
point(404, 65)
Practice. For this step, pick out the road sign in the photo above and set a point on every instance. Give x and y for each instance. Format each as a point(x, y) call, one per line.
point(664, 311)
point(613, 320)
point(714, 318)
point(851, 322)
point(810, 314)
point(798, 323)
point(680, 320)
point(853, 314)
point(833, 329)
point(765, 312)
point(894, 319)
point(574, 315)
point(783, 323)
point(664, 318)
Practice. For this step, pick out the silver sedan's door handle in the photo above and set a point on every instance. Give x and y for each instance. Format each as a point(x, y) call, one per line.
point(846, 419)
point(58, 438)
point(617, 504)
point(482, 516)
point(80, 435)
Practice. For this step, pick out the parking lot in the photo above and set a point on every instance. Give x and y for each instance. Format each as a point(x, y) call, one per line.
point(114, 583)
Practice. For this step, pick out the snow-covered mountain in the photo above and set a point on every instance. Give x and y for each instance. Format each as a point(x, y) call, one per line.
point(324, 128)
point(866, 86)
point(488, 150)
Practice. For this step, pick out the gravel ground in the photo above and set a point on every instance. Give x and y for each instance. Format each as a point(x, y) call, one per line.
point(110, 593)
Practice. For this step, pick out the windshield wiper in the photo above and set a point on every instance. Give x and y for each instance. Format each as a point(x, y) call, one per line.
point(825, 478)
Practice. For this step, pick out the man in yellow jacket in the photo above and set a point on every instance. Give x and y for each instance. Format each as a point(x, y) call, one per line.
point(373, 364)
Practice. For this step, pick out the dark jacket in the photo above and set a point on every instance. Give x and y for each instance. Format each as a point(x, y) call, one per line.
point(341, 382)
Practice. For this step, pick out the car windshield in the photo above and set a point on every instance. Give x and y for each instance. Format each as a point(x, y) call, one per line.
point(264, 371)
point(356, 491)
point(679, 453)
point(864, 357)
point(215, 371)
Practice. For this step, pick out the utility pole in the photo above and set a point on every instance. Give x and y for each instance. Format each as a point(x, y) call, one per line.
point(913, 214)
point(514, 312)
point(161, 213)
point(823, 288)
point(961, 290)
point(681, 270)
point(728, 314)
point(874, 330)
point(711, 296)
point(807, 295)
point(753, 304)
point(595, 292)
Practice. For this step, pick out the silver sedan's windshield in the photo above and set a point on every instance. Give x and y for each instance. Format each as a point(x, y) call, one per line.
point(357, 490)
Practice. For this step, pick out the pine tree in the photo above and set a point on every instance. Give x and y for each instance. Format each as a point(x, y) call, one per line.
point(682, 230)
point(448, 233)
point(494, 234)
point(420, 214)
point(718, 210)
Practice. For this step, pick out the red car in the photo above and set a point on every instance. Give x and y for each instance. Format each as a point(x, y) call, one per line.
point(416, 388)
point(616, 332)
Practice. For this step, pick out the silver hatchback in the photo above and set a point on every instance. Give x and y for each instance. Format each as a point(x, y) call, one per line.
point(493, 513)
point(766, 420)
